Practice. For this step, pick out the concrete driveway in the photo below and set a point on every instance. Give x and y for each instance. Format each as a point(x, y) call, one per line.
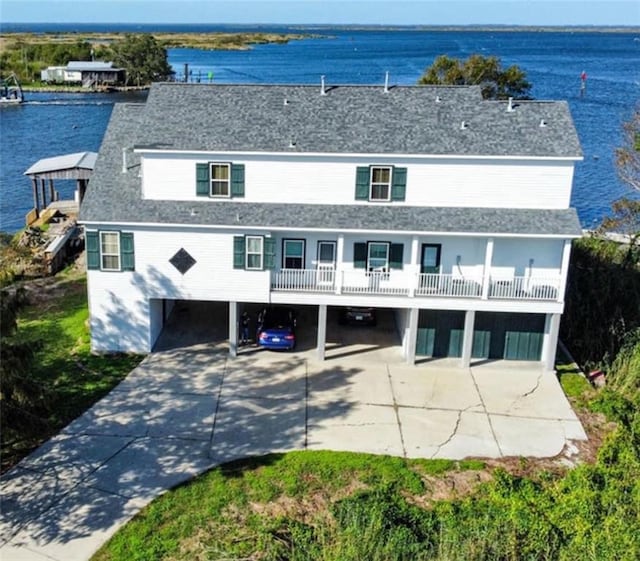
point(183, 411)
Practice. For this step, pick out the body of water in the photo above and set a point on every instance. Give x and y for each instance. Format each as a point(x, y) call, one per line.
point(53, 124)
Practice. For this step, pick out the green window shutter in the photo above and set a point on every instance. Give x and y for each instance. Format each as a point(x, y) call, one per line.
point(203, 183)
point(362, 184)
point(238, 252)
point(359, 255)
point(93, 250)
point(127, 256)
point(396, 256)
point(269, 253)
point(237, 180)
point(399, 184)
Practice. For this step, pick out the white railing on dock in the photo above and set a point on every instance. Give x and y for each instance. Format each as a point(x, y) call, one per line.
point(448, 285)
point(525, 288)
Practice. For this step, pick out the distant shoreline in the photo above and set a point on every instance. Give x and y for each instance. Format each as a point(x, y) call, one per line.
point(83, 27)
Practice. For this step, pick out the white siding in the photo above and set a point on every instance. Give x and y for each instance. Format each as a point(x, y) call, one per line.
point(121, 319)
point(321, 180)
point(527, 257)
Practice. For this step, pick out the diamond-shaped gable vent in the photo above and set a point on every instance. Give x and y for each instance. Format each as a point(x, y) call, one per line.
point(182, 261)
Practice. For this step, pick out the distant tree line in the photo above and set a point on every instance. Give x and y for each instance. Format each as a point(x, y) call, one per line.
point(143, 58)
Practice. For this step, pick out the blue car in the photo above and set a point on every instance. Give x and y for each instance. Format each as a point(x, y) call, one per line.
point(276, 328)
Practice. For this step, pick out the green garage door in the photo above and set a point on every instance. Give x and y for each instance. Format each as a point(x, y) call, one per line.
point(425, 341)
point(481, 343)
point(522, 345)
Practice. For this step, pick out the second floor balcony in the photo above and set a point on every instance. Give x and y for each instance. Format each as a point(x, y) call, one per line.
point(403, 283)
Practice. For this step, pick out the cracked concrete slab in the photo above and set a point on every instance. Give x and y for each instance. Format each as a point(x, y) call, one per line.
point(338, 382)
point(435, 387)
point(148, 466)
point(354, 427)
point(117, 414)
point(143, 413)
point(72, 530)
point(187, 416)
point(284, 378)
point(74, 457)
point(523, 392)
point(253, 426)
point(25, 495)
point(517, 436)
point(453, 435)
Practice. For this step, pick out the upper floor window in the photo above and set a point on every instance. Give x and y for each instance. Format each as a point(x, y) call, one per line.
point(381, 183)
point(220, 180)
point(110, 251)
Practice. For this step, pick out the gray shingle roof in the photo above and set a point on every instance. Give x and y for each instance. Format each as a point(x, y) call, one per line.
point(115, 197)
point(353, 119)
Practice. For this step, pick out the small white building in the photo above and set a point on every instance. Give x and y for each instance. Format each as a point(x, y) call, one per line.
point(451, 210)
point(87, 73)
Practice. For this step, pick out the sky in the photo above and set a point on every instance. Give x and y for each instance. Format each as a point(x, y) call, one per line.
point(416, 12)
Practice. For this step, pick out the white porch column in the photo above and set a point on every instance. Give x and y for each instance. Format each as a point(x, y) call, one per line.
point(488, 258)
point(564, 269)
point(414, 267)
point(412, 335)
point(233, 329)
point(550, 341)
point(339, 263)
point(322, 330)
point(467, 339)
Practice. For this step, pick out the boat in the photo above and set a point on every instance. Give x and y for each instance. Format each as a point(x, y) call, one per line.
point(10, 90)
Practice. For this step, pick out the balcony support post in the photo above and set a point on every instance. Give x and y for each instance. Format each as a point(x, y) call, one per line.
point(564, 269)
point(414, 267)
point(339, 277)
point(233, 329)
point(467, 340)
point(322, 330)
point(550, 341)
point(412, 335)
point(486, 277)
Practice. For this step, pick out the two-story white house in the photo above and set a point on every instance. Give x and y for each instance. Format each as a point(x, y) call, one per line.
point(448, 209)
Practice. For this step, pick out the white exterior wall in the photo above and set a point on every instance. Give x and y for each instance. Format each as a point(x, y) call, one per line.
point(521, 257)
point(121, 316)
point(436, 182)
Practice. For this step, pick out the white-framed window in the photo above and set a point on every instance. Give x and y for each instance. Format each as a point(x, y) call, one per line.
point(254, 252)
point(380, 183)
point(378, 256)
point(220, 174)
point(110, 251)
point(293, 254)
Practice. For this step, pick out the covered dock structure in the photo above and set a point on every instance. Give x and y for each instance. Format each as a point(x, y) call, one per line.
point(77, 166)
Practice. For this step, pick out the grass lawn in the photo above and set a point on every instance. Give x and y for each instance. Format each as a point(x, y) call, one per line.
point(56, 322)
point(300, 505)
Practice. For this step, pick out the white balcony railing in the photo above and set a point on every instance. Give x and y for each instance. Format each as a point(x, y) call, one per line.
point(524, 288)
point(304, 280)
point(449, 285)
point(394, 283)
point(401, 283)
